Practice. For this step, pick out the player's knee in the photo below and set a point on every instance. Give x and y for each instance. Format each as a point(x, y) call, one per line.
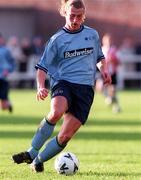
point(55, 115)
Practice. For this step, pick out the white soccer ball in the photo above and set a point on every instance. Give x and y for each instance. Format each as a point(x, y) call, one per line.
point(66, 163)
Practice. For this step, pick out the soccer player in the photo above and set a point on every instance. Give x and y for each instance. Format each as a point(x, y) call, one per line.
point(110, 53)
point(70, 59)
point(7, 65)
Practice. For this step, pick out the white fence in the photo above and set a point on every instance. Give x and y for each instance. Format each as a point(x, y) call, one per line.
point(29, 75)
point(127, 71)
point(130, 70)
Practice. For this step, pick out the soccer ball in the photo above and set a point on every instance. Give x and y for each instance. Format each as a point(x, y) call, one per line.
point(66, 163)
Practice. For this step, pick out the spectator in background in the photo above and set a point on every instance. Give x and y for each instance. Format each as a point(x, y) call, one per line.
point(138, 53)
point(110, 53)
point(37, 49)
point(27, 51)
point(14, 46)
point(127, 47)
point(138, 48)
point(7, 66)
point(37, 46)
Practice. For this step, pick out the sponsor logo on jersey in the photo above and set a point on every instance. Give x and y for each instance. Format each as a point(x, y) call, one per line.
point(78, 52)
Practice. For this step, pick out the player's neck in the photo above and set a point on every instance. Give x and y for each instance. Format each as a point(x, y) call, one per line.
point(73, 30)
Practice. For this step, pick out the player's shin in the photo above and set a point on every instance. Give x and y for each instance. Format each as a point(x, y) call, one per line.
point(52, 148)
point(44, 131)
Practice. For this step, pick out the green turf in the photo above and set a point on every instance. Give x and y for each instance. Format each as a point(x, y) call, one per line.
point(108, 146)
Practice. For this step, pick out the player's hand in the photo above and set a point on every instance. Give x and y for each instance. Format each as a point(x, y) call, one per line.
point(42, 93)
point(106, 78)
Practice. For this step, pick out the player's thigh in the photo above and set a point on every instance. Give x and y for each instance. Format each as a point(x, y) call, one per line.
point(60, 100)
point(59, 103)
point(69, 127)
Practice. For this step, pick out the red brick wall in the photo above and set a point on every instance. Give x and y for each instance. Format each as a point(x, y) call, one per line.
point(120, 17)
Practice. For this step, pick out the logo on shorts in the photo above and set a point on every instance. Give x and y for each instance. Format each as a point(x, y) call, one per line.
point(57, 92)
point(78, 52)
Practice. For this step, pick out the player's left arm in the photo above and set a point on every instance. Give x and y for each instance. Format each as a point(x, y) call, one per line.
point(102, 66)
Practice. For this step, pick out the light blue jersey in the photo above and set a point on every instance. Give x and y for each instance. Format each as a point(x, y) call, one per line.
point(7, 63)
point(72, 56)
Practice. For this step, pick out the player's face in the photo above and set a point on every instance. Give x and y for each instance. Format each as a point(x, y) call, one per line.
point(74, 18)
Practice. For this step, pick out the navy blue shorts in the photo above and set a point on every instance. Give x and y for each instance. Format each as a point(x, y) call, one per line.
point(114, 79)
point(4, 88)
point(79, 97)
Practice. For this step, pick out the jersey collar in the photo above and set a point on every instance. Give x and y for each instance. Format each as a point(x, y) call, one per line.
point(73, 32)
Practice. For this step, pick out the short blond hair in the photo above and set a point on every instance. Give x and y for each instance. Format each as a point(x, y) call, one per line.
point(75, 3)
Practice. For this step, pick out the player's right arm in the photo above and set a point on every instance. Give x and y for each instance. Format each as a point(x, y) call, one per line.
point(42, 92)
point(46, 62)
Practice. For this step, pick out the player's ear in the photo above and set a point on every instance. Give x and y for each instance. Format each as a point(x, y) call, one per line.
point(65, 12)
point(84, 17)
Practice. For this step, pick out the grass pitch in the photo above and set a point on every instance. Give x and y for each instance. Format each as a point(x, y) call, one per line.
point(108, 146)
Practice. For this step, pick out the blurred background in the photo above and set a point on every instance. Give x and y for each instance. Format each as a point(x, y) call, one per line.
point(27, 25)
point(109, 146)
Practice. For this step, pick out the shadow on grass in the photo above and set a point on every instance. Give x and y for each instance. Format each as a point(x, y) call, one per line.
point(88, 135)
point(8, 120)
point(120, 136)
point(111, 122)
